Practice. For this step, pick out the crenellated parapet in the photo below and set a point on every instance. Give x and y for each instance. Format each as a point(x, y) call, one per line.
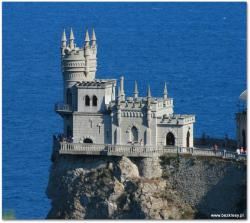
point(78, 63)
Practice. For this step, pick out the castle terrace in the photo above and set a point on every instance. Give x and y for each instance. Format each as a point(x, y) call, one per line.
point(139, 151)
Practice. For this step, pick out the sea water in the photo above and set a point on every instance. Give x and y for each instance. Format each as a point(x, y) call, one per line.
point(199, 49)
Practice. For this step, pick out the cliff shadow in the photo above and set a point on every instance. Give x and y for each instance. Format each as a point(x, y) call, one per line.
point(227, 198)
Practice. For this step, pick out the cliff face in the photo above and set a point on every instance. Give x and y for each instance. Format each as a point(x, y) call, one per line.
point(211, 185)
point(88, 187)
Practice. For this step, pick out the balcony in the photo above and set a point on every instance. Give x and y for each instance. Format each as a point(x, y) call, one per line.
point(139, 151)
point(62, 108)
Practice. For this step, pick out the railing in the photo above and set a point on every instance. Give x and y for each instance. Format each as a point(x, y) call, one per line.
point(139, 151)
point(81, 148)
point(133, 151)
point(61, 107)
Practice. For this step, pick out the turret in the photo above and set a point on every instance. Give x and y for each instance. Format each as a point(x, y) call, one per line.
point(87, 52)
point(165, 92)
point(136, 91)
point(148, 107)
point(63, 42)
point(78, 64)
point(119, 107)
point(93, 39)
point(122, 88)
point(71, 39)
point(86, 39)
point(148, 96)
point(119, 96)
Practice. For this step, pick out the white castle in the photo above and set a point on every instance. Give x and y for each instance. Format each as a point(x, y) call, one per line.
point(92, 113)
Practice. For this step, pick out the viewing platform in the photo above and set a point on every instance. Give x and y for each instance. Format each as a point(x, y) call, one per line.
point(139, 151)
point(60, 108)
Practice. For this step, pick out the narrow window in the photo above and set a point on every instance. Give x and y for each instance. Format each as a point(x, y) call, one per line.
point(187, 139)
point(94, 100)
point(87, 100)
point(134, 132)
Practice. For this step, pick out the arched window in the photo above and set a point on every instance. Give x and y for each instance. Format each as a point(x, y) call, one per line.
point(188, 136)
point(69, 97)
point(134, 133)
point(94, 103)
point(170, 139)
point(243, 138)
point(87, 100)
point(87, 140)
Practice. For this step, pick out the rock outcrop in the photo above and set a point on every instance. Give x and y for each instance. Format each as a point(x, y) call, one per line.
point(92, 187)
point(109, 188)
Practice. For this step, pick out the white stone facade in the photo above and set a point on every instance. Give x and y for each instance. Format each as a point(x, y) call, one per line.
point(93, 114)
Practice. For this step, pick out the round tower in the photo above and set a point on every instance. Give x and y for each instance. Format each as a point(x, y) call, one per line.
point(78, 64)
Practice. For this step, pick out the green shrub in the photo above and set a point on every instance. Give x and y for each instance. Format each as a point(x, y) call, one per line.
point(9, 215)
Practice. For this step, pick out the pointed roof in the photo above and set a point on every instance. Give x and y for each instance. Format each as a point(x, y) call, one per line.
point(165, 92)
point(87, 36)
point(136, 88)
point(64, 39)
point(243, 96)
point(93, 35)
point(71, 37)
point(119, 92)
point(149, 92)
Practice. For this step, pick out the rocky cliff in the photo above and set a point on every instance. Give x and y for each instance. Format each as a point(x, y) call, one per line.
point(92, 187)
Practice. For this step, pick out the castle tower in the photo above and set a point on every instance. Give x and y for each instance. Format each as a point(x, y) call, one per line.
point(78, 64)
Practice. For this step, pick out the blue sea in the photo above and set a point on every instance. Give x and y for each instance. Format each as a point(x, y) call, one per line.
point(199, 49)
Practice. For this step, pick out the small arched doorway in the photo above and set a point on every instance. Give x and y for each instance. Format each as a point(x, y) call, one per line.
point(187, 139)
point(170, 139)
point(134, 134)
point(87, 140)
point(243, 138)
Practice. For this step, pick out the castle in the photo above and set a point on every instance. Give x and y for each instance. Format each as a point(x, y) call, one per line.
point(93, 114)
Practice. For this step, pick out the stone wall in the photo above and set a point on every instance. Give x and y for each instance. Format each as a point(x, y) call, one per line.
point(211, 185)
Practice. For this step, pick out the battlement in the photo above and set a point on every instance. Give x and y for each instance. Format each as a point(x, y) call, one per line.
point(96, 83)
point(177, 119)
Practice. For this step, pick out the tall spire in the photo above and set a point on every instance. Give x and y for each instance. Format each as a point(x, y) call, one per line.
point(136, 91)
point(165, 92)
point(119, 96)
point(149, 92)
point(63, 43)
point(71, 39)
point(64, 39)
point(87, 38)
point(93, 38)
point(148, 96)
point(122, 88)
